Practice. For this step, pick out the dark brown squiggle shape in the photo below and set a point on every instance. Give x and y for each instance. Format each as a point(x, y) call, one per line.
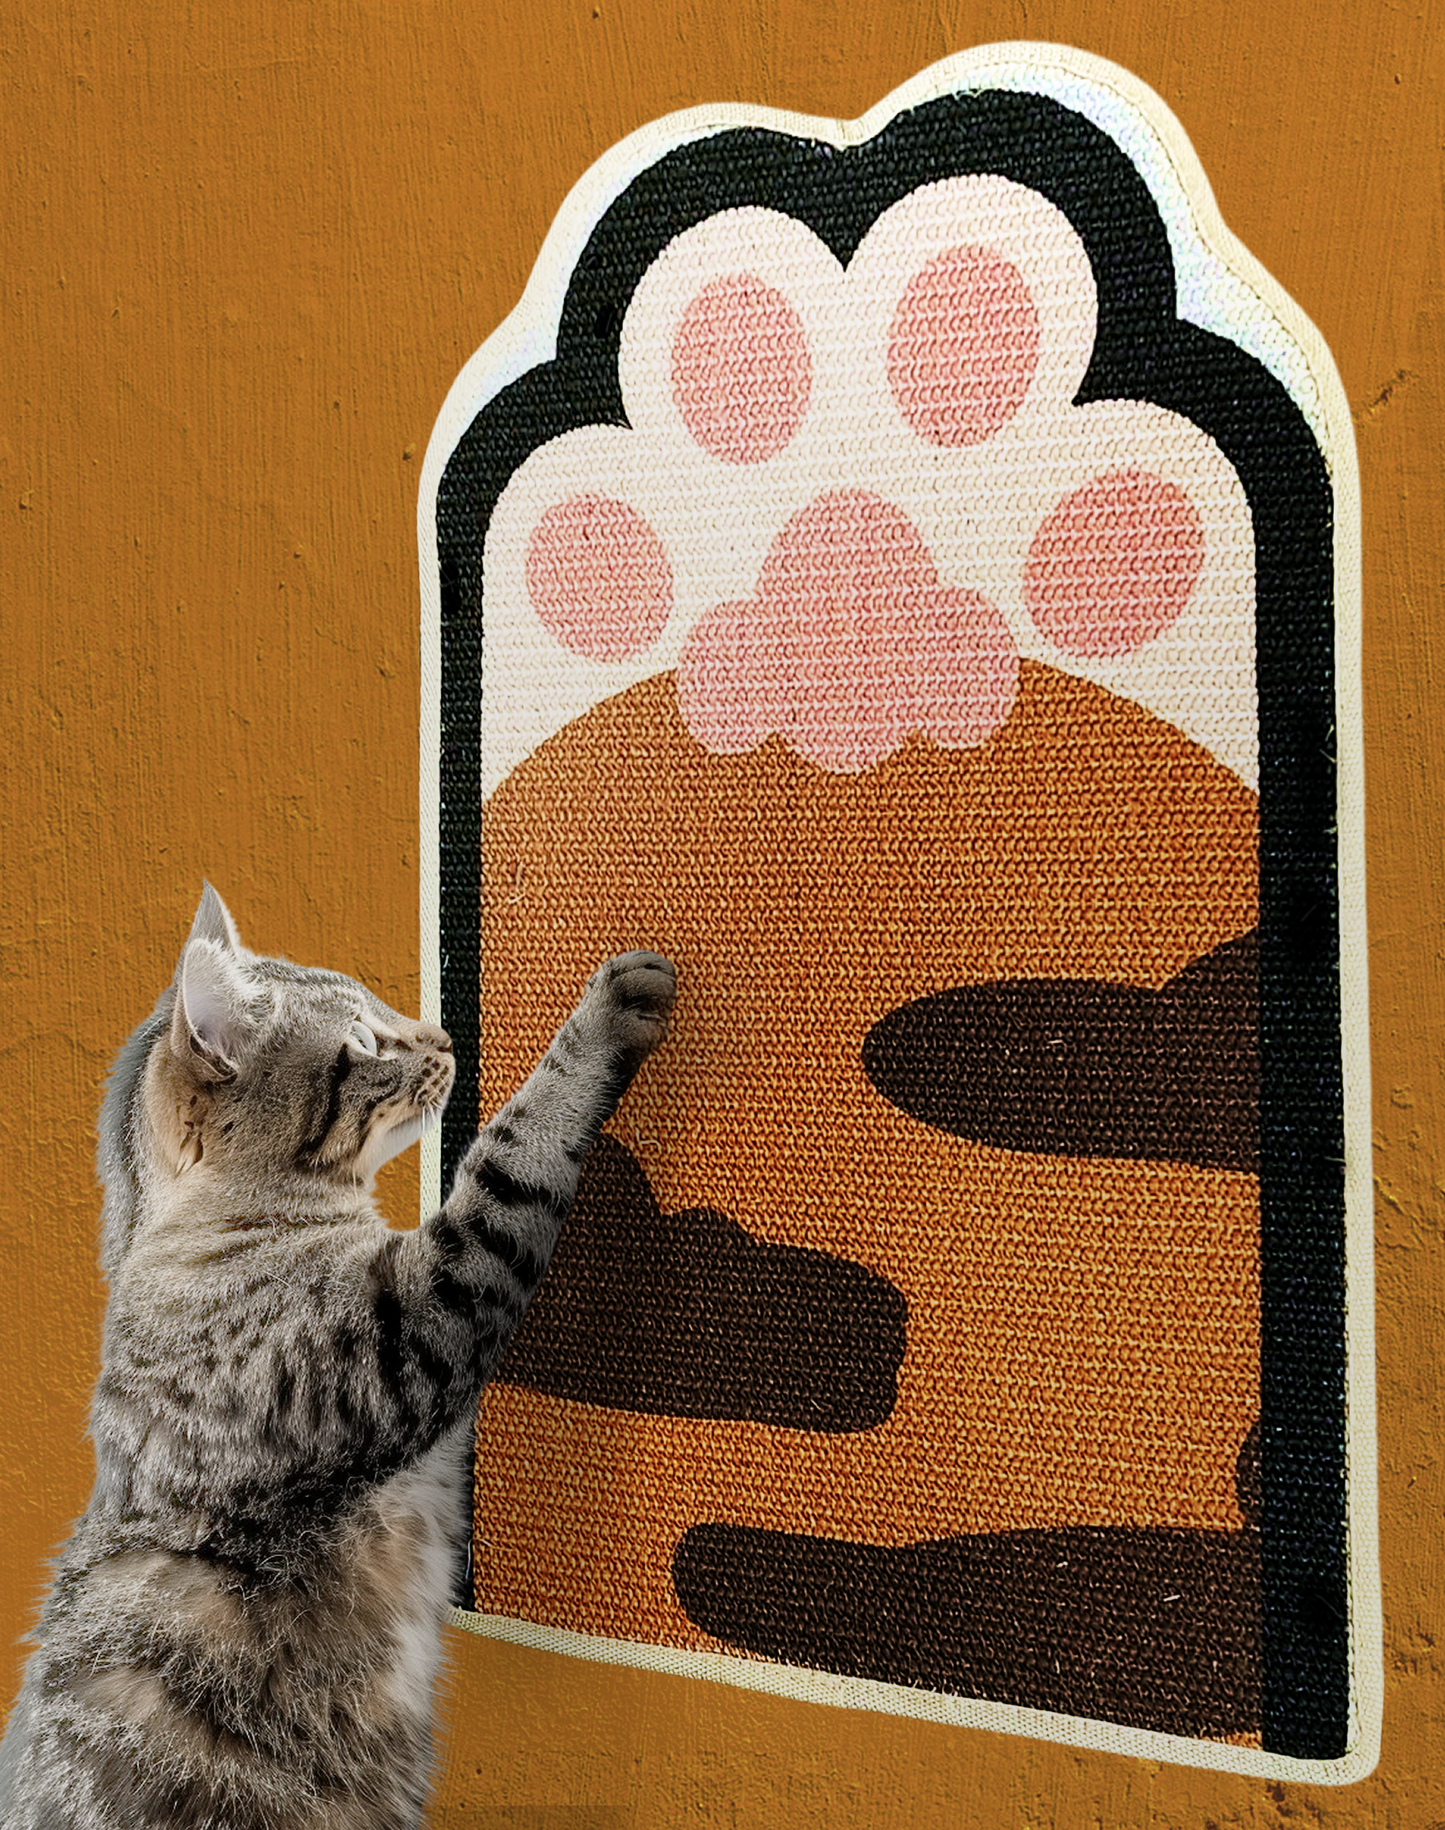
point(687, 1315)
point(1150, 1628)
point(1073, 1067)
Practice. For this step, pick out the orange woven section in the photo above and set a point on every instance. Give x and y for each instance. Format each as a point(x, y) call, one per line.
point(1082, 1343)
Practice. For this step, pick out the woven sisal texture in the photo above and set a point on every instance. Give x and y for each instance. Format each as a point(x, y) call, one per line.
point(889, 602)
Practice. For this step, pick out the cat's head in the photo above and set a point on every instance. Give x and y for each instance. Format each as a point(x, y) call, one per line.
point(261, 1082)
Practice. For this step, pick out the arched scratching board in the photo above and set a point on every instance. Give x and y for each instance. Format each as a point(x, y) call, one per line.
point(907, 572)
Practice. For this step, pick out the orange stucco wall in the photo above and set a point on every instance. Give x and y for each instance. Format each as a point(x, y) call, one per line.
point(244, 249)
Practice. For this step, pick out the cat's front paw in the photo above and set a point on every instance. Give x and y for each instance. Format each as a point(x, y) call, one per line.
point(632, 997)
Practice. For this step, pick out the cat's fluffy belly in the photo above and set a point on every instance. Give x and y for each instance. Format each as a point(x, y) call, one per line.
point(423, 1519)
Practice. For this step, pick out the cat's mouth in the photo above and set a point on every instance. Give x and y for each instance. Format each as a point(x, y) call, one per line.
point(397, 1123)
point(404, 1124)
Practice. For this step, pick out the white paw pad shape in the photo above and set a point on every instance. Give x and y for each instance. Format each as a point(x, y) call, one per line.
point(848, 500)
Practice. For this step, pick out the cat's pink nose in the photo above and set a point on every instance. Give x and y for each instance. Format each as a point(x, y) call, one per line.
point(431, 1037)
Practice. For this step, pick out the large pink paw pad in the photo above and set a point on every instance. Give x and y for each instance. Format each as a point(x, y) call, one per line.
point(852, 643)
point(1114, 564)
point(598, 577)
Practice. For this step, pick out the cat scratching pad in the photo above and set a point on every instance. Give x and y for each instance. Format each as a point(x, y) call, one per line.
point(907, 572)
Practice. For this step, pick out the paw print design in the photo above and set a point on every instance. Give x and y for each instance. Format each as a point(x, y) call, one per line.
point(848, 501)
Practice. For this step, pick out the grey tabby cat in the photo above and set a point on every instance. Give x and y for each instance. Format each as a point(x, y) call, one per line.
point(245, 1626)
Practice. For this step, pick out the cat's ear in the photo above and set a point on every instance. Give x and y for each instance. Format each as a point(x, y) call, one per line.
point(213, 922)
point(213, 1022)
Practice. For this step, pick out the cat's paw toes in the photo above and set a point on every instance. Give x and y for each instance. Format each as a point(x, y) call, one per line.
point(637, 991)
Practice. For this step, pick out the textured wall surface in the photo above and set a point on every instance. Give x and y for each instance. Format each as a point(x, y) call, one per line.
point(245, 249)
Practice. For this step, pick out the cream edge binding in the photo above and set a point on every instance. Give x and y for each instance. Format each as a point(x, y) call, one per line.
point(1219, 279)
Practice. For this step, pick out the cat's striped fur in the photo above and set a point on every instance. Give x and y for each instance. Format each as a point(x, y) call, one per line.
point(245, 1626)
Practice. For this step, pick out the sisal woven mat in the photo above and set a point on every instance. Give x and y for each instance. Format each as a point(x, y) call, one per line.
point(907, 572)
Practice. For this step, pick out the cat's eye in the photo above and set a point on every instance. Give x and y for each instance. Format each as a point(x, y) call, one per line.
point(364, 1038)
